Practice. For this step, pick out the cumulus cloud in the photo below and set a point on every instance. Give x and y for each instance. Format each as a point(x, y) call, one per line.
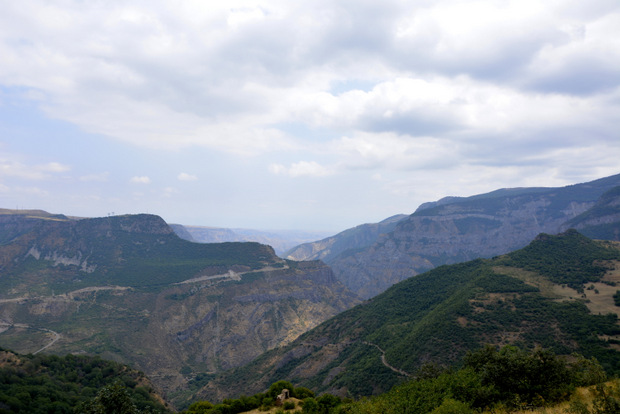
point(302, 169)
point(222, 76)
point(19, 169)
point(140, 180)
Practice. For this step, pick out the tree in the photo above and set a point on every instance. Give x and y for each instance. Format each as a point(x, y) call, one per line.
point(310, 406)
point(277, 387)
point(111, 399)
point(521, 376)
point(200, 407)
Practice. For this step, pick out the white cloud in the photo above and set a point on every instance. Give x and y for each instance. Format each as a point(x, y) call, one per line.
point(302, 169)
point(354, 89)
point(31, 191)
point(222, 76)
point(54, 167)
point(140, 180)
point(186, 177)
point(394, 152)
point(19, 169)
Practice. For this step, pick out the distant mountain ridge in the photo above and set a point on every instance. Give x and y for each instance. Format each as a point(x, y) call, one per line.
point(457, 229)
point(352, 239)
point(280, 240)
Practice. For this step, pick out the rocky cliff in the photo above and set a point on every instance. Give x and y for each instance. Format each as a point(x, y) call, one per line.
point(356, 238)
point(602, 221)
point(457, 229)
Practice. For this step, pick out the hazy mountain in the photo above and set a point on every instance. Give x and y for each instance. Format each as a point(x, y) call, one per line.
point(601, 221)
point(358, 237)
point(280, 240)
point(557, 293)
point(128, 289)
point(456, 229)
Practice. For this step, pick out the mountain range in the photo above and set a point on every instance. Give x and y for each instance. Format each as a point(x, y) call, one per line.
point(215, 320)
point(280, 240)
point(457, 229)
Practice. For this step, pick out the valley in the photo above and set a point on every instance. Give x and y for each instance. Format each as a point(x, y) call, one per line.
point(213, 320)
point(128, 289)
point(543, 295)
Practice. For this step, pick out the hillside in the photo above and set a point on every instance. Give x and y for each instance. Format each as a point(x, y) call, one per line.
point(457, 229)
point(50, 384)
point(549, 294)
point(128, 289)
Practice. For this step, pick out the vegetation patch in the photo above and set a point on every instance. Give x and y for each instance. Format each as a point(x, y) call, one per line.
point(569, 258)
point(50, 384)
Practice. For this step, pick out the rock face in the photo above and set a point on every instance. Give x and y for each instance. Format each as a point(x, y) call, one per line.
point(601, 221)
point(128, 289)
point(358, 237)
point(458, 229)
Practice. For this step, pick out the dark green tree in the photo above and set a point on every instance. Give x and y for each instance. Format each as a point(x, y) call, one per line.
point(199, 407)
point(277, 387)
point(111, 399)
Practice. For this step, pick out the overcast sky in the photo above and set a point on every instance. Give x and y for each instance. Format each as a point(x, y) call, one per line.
point(316, 115)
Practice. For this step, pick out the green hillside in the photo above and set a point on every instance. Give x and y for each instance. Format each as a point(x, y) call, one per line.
point(51, 384)
point(525, 298)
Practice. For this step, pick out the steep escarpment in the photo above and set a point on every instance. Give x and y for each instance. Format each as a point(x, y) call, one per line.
point(602, 221)
point(352, 239)
point(459, 229)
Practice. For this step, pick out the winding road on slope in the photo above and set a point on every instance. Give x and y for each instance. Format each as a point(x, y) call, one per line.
point(384, 361)
point(56, 335)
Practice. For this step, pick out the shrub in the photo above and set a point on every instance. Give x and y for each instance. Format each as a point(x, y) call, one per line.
point(450, 406)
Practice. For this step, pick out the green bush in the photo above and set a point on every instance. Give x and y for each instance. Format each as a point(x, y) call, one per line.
point(450, 406)
point(310, 406)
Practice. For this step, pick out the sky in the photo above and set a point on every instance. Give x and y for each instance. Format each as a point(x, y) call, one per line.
point(310, 115)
